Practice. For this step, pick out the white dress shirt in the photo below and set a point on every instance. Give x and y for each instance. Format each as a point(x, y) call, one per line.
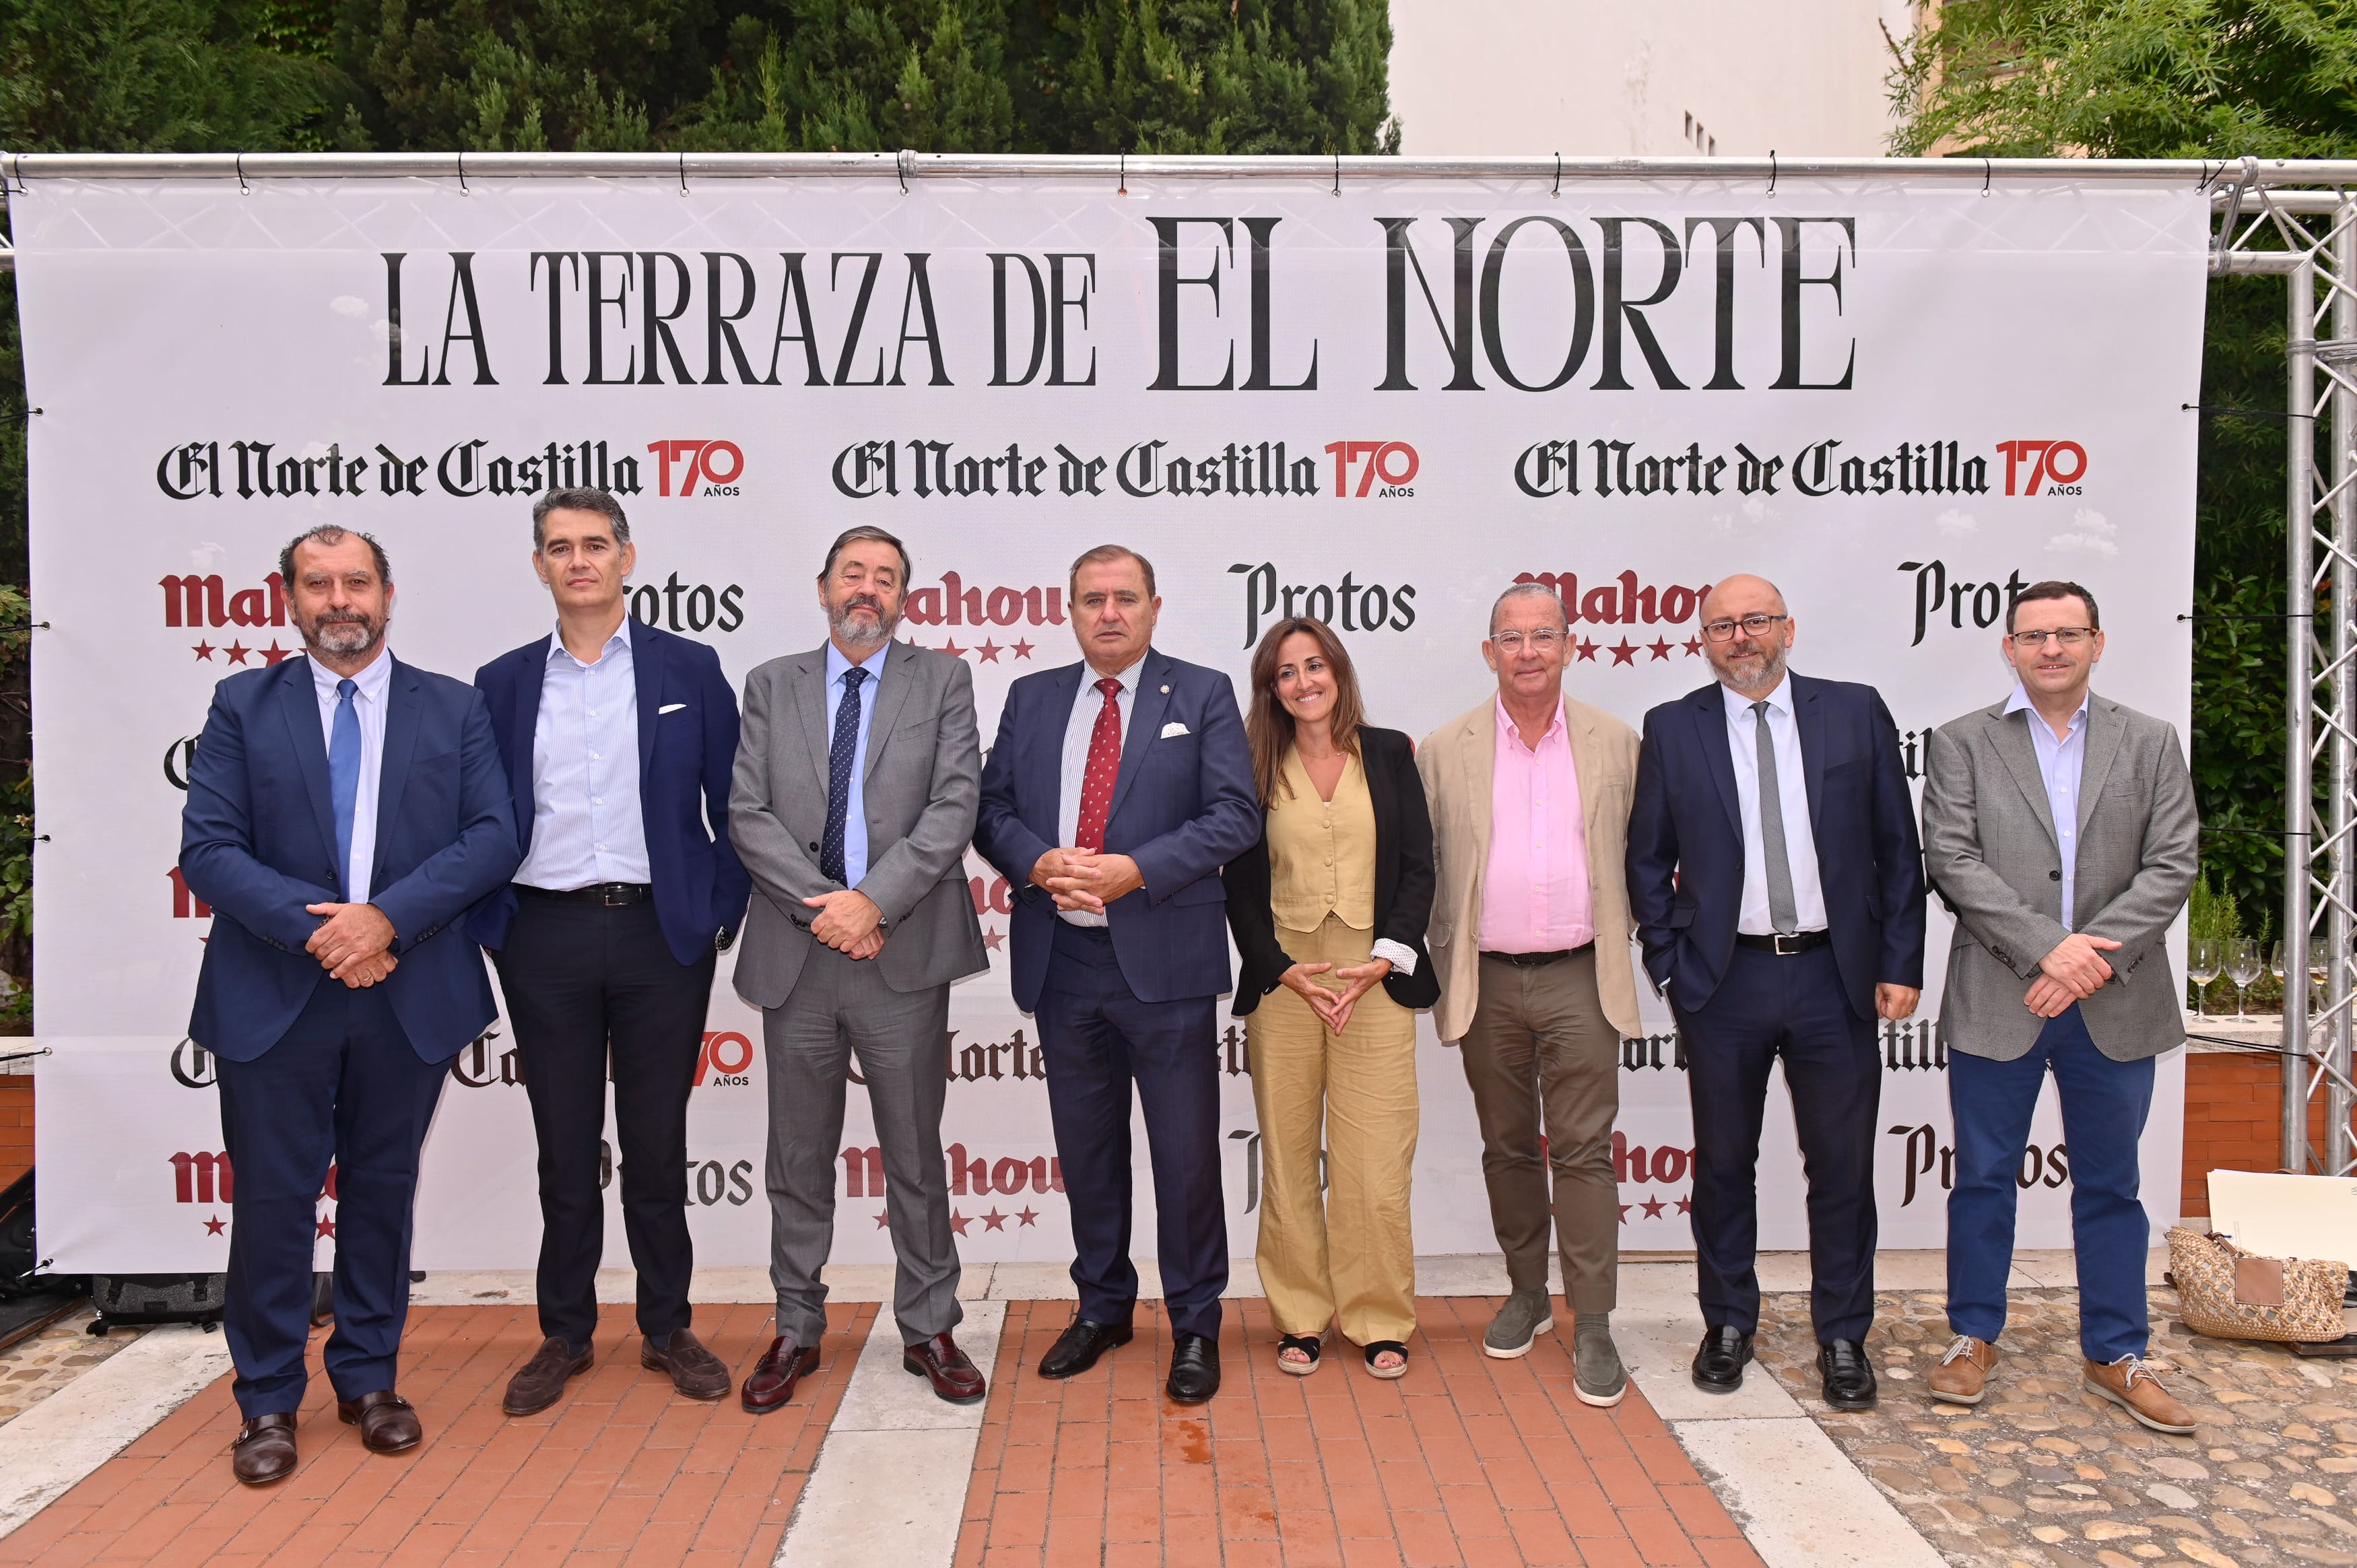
point(368, 705)
point(587, 825)
point(1086, 704)
point(1793, 795)
point(2061, 762)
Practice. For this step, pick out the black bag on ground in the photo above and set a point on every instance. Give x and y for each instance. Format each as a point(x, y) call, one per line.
point(127, 1300)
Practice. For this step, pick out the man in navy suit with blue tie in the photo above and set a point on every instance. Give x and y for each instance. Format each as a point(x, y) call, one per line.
point(1777, 883)
point(1117, 789)
point(618, 739)
point(345, 810)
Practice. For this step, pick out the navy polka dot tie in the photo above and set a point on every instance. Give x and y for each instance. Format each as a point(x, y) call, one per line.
point(839, 757)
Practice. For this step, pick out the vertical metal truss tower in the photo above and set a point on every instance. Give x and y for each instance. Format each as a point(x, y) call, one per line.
point(2310, 237)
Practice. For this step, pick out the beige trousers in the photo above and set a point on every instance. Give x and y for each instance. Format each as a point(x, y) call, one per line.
point(1350, 1257)
point(1539, 1044)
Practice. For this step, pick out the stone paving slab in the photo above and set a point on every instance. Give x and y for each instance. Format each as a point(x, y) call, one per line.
point(2043, 1474)
point(35, 1367)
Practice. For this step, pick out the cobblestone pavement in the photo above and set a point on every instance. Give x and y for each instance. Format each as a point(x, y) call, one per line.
point(2042, 1472)
point(32, 1369)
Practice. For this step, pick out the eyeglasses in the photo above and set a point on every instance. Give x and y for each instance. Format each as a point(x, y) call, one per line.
point(1543, 640)
point(2068, 636)
point(1753, 626)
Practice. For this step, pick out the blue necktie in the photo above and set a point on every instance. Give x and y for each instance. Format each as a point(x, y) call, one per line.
point(344, 776)
point(840, 756)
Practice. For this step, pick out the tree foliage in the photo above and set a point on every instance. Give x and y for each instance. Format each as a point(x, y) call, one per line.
point(2189, 79)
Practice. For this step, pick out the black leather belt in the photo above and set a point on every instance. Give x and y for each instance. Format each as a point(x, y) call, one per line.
point(1536, 960)
point(607, 893)
point(1783, 946)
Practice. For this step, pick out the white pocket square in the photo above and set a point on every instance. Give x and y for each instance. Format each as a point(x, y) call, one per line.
point(669, 708)
point(1174, 727)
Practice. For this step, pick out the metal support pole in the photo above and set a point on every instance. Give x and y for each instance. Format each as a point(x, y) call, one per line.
point(2335, 1038)
point(2300, 689)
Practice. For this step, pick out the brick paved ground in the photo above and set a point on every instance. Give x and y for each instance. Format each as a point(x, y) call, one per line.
point(2043, 1474)
point(1467, 1460)
point(621, 1471)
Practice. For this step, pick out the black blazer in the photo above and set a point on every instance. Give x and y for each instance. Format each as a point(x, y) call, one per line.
point(1404, 881)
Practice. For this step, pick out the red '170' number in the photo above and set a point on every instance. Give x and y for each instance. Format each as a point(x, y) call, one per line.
point(704, 460)
point(1380, 457)
point(2045, 458)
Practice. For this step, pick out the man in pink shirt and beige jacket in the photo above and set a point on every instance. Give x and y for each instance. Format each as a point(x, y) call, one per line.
point(1530, 798)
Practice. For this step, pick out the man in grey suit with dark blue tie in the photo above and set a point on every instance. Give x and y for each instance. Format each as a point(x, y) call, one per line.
point(857, 776)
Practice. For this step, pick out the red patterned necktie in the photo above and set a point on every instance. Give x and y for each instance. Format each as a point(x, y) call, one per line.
point(1104, 767)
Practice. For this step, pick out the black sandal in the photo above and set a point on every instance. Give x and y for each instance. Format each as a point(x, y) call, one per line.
point(1310, 1345)
point(1381, 1346)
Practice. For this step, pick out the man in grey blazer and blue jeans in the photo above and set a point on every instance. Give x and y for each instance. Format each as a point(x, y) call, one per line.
point(2060, 826)
point(857, 783)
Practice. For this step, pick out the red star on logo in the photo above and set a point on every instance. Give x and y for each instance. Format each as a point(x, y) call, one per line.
point(237, 652)
point(1686, 1206)
point(1653, 1207)
point(1028, 1216)
point(327, 1228)
point(992, 938)
point(883, 1219)
point(214, 1227)
point(993, 1221)
point(959, 1221)
point(204, 650)
point(989, 651)
point(953, 651)
point(1660, 649)
point(1623, 651)
point(1694, 646)
point(1022, 651)
point(273, 653)
point(1586, 649)
point(1624, 1213)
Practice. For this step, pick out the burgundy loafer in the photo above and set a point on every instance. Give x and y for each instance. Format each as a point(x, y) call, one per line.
point(782, 1366)
point(941, 1363)
point(388, 1423)
point(265, 1450)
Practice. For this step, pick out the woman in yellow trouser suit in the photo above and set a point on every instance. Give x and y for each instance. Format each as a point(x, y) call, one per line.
point(1328, 912)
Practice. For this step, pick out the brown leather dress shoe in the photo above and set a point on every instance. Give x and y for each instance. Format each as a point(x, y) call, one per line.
point(941, 1363)
point(772, 1382)
point(265, 1450)
point(2129, 1383)
point(1962, 1376)
point(388, 1423)
point(540, 1382)
point(693, 1370)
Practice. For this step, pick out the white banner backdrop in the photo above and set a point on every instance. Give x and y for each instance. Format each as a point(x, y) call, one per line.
point(1378, 406)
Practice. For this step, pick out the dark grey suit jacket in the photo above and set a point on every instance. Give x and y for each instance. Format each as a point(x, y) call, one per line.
point(921, 789)
point(1990, 846)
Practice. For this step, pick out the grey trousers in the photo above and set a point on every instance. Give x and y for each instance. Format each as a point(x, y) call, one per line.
point(840, 1006)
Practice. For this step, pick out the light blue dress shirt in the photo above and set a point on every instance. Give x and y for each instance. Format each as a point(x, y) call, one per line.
point(2060, 763)
point(854, 814)
point(587, 825)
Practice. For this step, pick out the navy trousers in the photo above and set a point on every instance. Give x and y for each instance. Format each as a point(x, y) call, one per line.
point(1095, 1038)
point(341, 1086)
point(2104, 1108)
point(1795, 1008)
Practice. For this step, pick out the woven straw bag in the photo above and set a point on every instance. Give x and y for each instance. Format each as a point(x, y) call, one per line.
point(2230, 1294)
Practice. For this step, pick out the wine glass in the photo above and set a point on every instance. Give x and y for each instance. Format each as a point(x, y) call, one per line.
point(2320, 970)
point(2243, 967)
point(2281, 957)
point(2203, 959)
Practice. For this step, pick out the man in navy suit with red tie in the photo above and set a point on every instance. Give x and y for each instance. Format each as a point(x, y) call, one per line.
point(345, 811)
point(1116, 789)
point(619, 739)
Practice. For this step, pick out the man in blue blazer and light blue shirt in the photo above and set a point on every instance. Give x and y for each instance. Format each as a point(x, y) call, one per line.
point(1777, 885)
point(1117, 789)
point(618, 739)
point(345, 811)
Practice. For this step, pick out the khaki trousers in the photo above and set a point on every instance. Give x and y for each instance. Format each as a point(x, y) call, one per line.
point(1352, 1256)
point(1539, 1043)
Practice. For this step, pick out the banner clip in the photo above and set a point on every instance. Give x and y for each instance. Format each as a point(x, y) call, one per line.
point(462, 173)
point(242, 188)
point(683, 173)
point(900, 165)
point(1123, 189)
point(1772, 171)
point(1987, 169)
point(1338, 174)
point(1558, 177)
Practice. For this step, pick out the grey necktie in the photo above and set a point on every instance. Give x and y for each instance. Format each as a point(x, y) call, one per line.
point(1782, 913)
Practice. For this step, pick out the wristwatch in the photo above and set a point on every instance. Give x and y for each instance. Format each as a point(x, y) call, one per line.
point(721, 940)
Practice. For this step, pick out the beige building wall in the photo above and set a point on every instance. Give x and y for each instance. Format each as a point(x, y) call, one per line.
point(1643, 77)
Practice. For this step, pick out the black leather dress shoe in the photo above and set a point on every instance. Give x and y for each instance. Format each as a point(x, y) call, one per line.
point(1077, 1349)
point(1194, 1368)
point(1718, 1364)
point(1848, 1375)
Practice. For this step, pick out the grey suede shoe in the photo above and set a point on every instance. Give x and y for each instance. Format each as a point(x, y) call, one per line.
point(1598, 1377)
point(1525, 1316)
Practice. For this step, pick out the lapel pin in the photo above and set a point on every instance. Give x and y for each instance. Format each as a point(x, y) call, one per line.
point(1166, 691)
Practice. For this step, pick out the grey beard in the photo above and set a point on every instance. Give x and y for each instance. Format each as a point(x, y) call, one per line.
point(1771, 673)
point(342, 639)
point(847, 630)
